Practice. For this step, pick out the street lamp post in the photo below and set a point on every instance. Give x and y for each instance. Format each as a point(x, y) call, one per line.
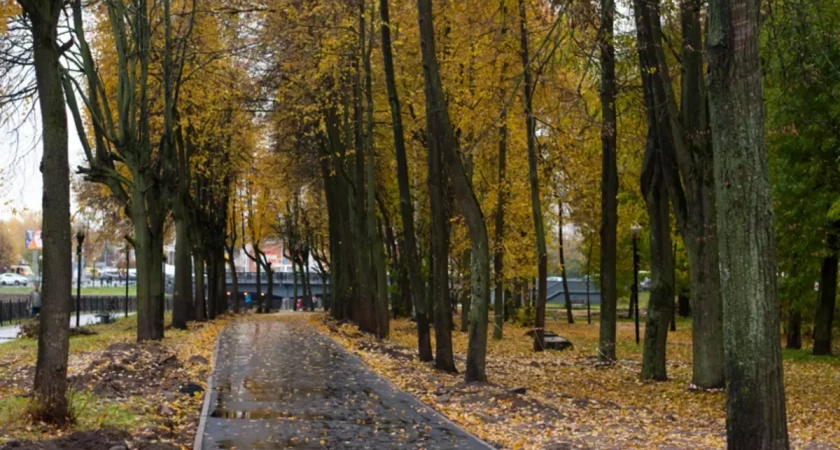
point(80, 239)
point(635, 231)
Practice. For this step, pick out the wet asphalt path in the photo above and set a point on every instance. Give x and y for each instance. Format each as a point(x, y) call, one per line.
point(280, 384)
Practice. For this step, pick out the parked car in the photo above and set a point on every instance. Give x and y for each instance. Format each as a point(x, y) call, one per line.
point(13, 279)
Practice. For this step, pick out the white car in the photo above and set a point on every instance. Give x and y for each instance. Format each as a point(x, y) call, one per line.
point(13, 279)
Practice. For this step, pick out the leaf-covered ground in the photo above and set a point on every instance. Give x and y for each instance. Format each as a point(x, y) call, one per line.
point(571, 401)
point(140, 395)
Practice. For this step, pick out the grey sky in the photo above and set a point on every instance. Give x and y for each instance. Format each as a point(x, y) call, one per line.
point(20, 155)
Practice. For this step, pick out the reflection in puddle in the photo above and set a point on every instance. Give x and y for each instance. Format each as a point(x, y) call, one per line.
point(264, 414)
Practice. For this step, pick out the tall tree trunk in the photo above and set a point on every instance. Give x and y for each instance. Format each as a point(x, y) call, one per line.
point(701, 240)
point(609, 185)
point(234, 280)
point(755, 395)
point(465, 290)
point(295, 273)
point(182, 298)
point(149, 250)
point(655, 191)
point(212, 302)
point(661, 304)
point(794, 331)
point(441, 139)
point(536, 209)
point(49, 402)
point(568, 295)
point(499, 238)
point(439, 276)
point(222, 306)
point(365, 314)
point(674, 284)
point(258, 298)
point(199, 301)
point(377, 267)
point(439, 279)
point(827, 299)
point(588, 283)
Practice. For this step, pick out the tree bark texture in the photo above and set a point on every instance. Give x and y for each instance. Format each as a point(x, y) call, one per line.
point(533, 178)
point(655, 191)
point(199, 302)
point(609, 185)
point(755, 396)
point(440, 135)
point(498, 244)
point(827, 299)
point(182, 298)
point(49, 402)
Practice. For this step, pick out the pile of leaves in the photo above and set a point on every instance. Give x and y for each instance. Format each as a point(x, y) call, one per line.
point(130, 369)
point(30, 328)
point(145, 396)
point(568, 400)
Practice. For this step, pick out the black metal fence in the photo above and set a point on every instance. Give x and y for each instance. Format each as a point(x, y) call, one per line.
point(277, 277)
point(14, 310)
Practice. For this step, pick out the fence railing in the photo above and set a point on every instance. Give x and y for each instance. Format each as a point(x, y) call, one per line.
point(15, 310)
point(278, 277)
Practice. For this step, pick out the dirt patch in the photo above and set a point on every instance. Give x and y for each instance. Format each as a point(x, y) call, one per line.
point(129, 369)
point(90, 440)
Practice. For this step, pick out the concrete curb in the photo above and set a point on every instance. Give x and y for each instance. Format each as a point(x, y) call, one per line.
point(478, 442)
point(209, 394)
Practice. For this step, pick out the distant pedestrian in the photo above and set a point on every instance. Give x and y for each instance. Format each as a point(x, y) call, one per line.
point(247, 301)
point(34, 301)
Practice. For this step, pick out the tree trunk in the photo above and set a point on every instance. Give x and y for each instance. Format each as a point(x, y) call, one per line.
point(441, 136)
point(212, 302)
point(661, 301)
point(499, 315)
point(149, 250)
point(687, 167)
point(439, 277)
point(199, 301)
point(444, 359)
point(49, 403)
point(655, 191)
point(464, 294)
point(295, 273)
point(219, 285)
point(568, 296)
point(258, 298)
point(827, 300)
point(794, 331)
point(269, 298)
point(536, 209)
point(365, 314)
point(588, 283)
point(755, 395)
point(234, 280)
point(609, 185)
point(182, 298)
point(674, 284)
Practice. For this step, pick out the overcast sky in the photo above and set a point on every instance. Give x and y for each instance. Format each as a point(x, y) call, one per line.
point(21, 150)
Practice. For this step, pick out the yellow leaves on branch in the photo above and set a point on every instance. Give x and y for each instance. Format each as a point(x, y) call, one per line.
point(8, 9)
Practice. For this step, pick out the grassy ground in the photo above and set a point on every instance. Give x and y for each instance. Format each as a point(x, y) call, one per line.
point(99, 374)
point(113, 290)
point(572, 401)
